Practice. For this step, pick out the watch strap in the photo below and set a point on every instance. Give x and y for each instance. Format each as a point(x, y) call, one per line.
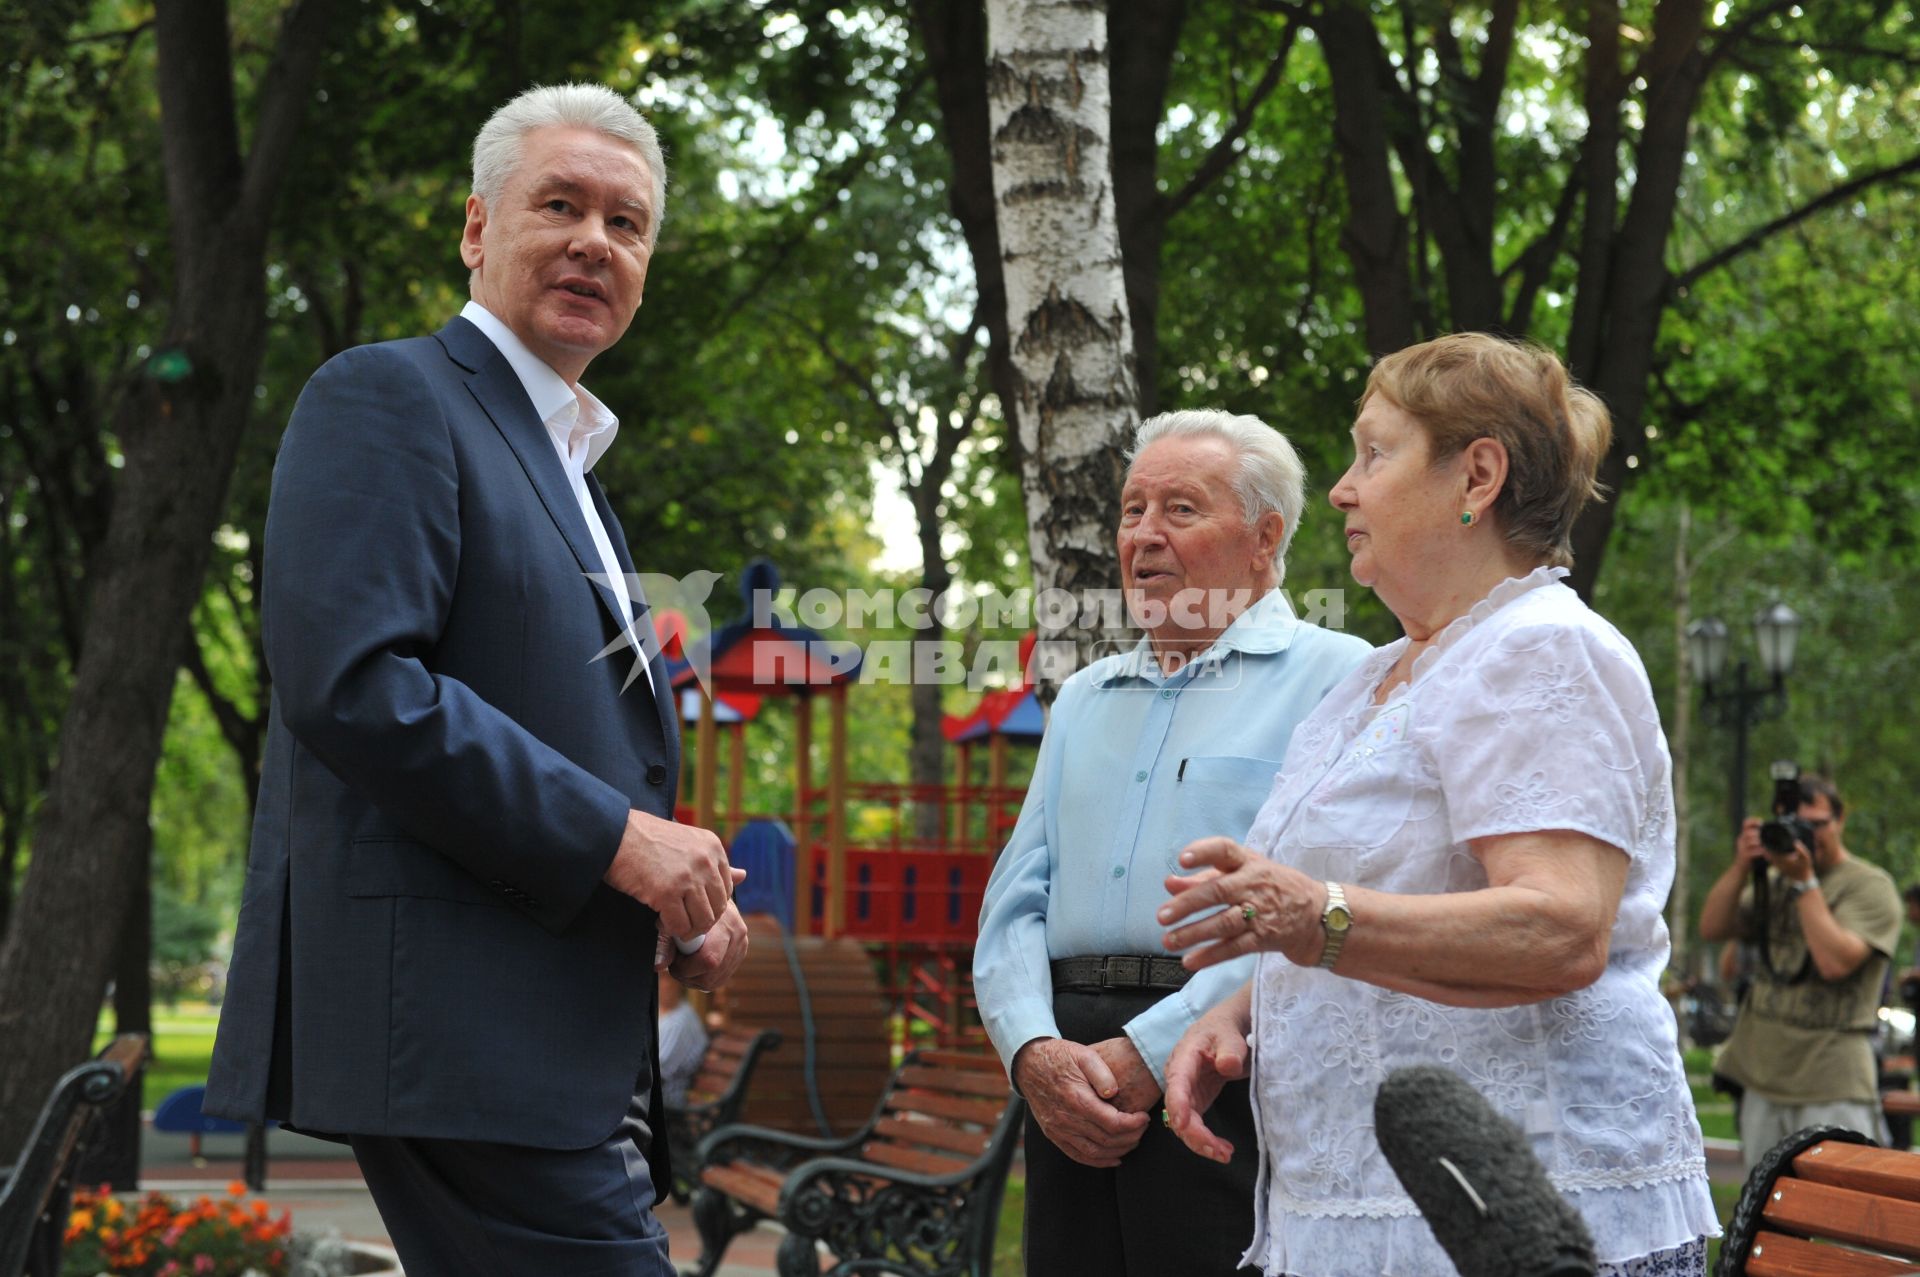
point(1336, 935)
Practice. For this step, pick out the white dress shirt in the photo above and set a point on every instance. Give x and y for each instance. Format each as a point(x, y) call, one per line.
point(582, 429)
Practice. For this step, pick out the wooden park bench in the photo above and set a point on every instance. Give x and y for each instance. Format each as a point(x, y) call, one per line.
point(916, 1192)
point(713, 1097)
point(1826, 1202)
point(35, 1190)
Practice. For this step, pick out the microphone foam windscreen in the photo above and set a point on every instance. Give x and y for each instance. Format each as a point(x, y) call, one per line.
point(1506, 1219)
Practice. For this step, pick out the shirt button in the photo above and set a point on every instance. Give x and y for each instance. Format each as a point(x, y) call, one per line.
point(1139, 775)
point(1166, 693)
point(1119, 871)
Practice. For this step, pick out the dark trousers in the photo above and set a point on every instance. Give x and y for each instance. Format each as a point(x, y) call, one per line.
point(460, 1208)
point(1164, 1211)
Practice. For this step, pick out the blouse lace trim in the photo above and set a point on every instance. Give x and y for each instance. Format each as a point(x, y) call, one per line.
point(1458, 628)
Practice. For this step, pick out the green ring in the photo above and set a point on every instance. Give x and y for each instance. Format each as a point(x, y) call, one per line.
point(1249, 913)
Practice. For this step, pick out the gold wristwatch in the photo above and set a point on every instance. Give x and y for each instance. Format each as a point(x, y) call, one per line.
point(1336, 920)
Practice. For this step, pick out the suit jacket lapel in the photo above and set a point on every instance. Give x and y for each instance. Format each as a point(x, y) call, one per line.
point(643, 627)
point(497, 389)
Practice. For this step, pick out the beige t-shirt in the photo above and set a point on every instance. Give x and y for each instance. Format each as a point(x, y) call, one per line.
point(1809, 1041)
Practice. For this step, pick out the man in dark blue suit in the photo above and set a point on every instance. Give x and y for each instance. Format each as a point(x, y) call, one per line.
point(464, 854)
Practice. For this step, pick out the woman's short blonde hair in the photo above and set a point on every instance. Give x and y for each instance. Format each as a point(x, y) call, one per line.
point(1470, 386)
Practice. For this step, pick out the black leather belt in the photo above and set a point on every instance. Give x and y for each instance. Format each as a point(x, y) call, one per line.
point(1119, 971)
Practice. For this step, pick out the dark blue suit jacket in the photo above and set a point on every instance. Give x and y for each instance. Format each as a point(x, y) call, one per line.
point(425, 945)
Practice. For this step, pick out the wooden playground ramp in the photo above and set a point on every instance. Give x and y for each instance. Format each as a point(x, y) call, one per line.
point(836, 1005)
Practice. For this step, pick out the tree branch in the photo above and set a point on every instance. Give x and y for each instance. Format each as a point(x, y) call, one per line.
point(1223, 153)
point(1848, 49)
point(283, 104)
point(240, 731)
point(801, 228)
point(1760, 234)
point(1535, 262)
point(126, 36)
point(1732, 37)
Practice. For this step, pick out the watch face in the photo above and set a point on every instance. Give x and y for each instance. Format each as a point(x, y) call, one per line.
point(1339, 919)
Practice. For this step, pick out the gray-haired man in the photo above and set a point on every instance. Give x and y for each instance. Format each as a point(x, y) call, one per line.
point(465, 852)
point(1146, 751)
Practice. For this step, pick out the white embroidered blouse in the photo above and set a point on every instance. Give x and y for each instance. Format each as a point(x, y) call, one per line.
point(1528, 713)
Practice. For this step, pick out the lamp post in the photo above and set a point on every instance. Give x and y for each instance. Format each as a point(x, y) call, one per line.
point(1740, 704)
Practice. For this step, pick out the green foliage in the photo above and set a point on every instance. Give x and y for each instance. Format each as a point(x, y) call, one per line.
point(811, 323)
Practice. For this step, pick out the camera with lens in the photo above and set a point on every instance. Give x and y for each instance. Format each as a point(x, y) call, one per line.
point(1780, 834)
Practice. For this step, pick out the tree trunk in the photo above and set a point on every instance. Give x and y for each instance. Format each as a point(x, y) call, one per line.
point(1075, 400)
point(133, 965)
point(180, 433)
point(1143, 44)
point(1680, 741)
point(954, 34)
point(927, 757)
point(1375, 238)
point(1637, 292)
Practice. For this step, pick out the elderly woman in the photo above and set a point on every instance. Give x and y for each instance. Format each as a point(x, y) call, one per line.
point(1464, 857)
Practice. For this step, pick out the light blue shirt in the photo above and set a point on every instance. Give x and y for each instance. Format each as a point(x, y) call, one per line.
point(1135, 766)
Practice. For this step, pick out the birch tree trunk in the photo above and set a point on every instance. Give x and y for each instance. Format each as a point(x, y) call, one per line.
point(1075, 399)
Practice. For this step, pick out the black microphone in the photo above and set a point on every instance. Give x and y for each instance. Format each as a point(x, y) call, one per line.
point(1482, 1191)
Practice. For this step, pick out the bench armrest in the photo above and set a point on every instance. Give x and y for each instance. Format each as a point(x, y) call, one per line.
point(781, 1150)
point(857, 1207)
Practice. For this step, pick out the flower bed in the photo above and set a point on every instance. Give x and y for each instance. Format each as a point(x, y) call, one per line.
point(159, 1237)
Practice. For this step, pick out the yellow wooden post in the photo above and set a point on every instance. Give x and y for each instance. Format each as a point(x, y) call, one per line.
point(837, 816)
point(736, 774)
point(997, 779)
point(705, 765)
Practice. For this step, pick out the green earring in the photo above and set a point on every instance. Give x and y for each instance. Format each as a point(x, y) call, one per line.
point(1466, 518)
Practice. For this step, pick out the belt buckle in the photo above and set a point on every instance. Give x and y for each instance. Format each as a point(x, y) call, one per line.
point(1124, 971)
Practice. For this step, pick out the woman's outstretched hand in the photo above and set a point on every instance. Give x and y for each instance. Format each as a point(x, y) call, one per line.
point(1210, 1054)
point(1269, 906)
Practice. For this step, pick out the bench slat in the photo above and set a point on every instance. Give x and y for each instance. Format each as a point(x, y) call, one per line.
point(1777, 1255)
point(977, 1061)
point(968, 1082)
point(1884, 1172)
point(757, 1186)
point(981, 1112)
point(913, 1159)
point(1821, 1210)
point(938, 1134)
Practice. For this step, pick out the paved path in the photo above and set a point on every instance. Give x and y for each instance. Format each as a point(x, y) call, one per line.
point(324, 1191)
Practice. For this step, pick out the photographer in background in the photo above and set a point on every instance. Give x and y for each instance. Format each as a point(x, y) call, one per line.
point(1825, 934)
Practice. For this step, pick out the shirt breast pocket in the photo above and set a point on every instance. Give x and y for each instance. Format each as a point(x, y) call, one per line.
point(1363, 803)
point(1218, 794)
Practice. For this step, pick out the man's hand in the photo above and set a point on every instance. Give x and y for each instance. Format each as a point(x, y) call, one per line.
point(1748, 847)
point(678, 871)
point(1070, 1089)
point(715, 961)
point(1138, 1092)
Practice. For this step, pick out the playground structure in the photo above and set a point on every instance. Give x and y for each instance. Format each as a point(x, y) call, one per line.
point(849, 860)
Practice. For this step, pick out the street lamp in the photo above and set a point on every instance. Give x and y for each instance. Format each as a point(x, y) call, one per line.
point(1740, 705)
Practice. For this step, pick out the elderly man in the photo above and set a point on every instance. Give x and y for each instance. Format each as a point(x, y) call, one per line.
point(1146, 751)
point(465, 867)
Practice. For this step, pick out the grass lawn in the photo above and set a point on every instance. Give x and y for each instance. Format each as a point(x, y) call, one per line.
point(182, 1047)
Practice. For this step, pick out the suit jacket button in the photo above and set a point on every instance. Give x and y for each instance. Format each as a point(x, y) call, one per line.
point(657, 774)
